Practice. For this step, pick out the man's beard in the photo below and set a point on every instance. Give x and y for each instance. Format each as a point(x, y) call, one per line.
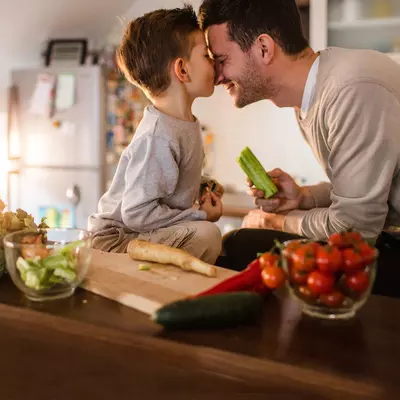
point(251, 87)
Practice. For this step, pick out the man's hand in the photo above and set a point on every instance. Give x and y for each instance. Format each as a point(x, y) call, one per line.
point(212, 205)
point(290, 196)
point(262, 220)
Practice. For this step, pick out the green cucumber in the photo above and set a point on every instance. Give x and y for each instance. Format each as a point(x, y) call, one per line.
point(256, 173)
point(213, 311)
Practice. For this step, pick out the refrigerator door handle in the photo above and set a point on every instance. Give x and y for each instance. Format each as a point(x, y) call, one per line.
point(73, 194)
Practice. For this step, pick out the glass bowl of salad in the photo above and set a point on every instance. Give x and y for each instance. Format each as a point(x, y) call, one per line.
point(331, 280)
point(48, 264)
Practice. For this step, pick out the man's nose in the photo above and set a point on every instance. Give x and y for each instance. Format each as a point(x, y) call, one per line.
point(219, 77)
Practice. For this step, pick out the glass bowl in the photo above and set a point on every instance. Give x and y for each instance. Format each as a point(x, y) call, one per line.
point(340, 303)
point(48, 264)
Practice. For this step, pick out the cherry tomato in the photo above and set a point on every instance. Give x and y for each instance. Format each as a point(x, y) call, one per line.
point(367, 253)
point(304, 258)
point(344, 239)
point(334, 299)
point(290, 248)
point(352, 260)
point(268, 259)
point(299, 277)
point(320, 283)
point(306, 293)
point(358, 281)
point(312, 246)
point(273, 277)
point(329, 259)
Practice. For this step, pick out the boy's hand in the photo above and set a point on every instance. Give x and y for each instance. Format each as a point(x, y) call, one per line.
point(212, 205)
point(219, 190)
point(208, 184)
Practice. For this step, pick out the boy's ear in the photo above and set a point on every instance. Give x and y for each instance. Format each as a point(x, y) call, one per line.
point(181, 70)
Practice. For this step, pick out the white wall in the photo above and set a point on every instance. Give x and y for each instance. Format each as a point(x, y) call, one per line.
point(272, 133)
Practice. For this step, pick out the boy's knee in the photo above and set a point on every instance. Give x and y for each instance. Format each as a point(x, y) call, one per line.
point(209, 241)
point(208, 232)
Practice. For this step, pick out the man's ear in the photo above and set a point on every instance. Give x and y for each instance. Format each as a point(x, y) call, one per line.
point(264, 49)
point(181, 70)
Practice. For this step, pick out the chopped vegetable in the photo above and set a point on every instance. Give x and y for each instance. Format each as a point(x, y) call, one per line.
point(59, 267)
point(256, 173)
point(144, 267)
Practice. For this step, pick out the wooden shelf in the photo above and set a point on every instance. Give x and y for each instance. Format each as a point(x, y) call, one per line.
point(376, 23)
point(379, 34)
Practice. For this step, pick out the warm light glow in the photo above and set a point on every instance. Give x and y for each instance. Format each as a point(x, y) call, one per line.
point(3, 155)
point(14, 144)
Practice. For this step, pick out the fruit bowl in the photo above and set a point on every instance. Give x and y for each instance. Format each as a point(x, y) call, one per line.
point(331, 281)
point(48, 264)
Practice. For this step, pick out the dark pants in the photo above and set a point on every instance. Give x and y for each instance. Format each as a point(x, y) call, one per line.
point(241, 247)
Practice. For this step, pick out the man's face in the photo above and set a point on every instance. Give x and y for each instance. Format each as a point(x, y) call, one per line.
point(238, 71)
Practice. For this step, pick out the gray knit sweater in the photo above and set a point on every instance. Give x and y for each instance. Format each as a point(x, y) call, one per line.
point(157, 179)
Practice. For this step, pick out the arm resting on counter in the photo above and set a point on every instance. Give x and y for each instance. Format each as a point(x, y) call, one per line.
point(363, 159)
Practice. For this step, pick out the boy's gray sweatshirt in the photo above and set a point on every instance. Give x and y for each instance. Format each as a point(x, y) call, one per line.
point(157, 179)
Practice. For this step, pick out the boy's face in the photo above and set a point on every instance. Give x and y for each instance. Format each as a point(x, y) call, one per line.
point(201, 68)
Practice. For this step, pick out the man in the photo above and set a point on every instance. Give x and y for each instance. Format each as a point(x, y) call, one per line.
point(347, 104)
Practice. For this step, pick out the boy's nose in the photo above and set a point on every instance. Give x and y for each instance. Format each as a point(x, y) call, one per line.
point(219, 77)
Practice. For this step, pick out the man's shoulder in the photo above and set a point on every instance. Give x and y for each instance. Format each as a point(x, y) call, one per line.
point(340, 67)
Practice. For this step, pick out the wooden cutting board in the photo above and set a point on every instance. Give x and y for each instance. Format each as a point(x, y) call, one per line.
point(117, 277)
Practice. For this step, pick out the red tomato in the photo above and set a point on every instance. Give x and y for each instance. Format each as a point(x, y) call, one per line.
point(306, 293)
point(291, 247)
point(344, 239)
point(320, 283)
point(358, 281)
point(299, 277)
point(273, 277)
point(334, 299)
point(268, 259)
point(329, 259)
point(352, 260)
point(312, 246)
point(367, 252)
point(304, 258)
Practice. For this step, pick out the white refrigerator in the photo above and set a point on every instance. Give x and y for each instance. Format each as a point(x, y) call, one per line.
point(59, 171)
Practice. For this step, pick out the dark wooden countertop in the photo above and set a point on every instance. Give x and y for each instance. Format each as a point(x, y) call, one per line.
point(88, 347)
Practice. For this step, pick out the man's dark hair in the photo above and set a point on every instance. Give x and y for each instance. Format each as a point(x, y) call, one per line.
point(247, 19)
point(152, 42)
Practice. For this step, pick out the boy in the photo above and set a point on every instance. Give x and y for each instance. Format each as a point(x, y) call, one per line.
point(154, 191)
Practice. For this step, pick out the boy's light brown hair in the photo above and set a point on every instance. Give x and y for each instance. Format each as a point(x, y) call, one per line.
point(152, 42)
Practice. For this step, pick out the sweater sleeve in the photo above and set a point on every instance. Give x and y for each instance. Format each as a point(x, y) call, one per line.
point(362, 121)
point(321, 194)
point(152, 174)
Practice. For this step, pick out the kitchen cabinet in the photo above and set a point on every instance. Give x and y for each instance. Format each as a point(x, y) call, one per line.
point(359, 24)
